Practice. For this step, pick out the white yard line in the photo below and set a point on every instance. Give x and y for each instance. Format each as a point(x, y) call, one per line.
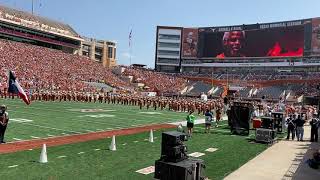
point(197, 121)
point(214, 130)
point(81, 152)
point(17, 139)
point(13, 166)
point(184, 123)
point(61, 156)
point(34, 137)
point(47, 127)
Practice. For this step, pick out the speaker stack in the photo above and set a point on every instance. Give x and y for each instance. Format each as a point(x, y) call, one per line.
point(265, 135)
point(174, 162)
point(172, 147)
point(279, 121)
point(269, 125)
point(239, 118)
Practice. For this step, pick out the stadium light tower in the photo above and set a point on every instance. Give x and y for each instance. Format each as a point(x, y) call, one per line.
point(32, 6)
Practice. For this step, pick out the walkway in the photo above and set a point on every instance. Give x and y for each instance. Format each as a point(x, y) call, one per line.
point(198, 121)
point(283, 161)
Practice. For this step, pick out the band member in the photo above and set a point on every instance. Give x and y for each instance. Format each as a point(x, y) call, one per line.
point(208, 120)
point(218, 115)
point(291, 127)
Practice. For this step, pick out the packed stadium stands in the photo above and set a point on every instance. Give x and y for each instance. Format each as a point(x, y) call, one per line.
point(159, 82)
point(40, 68)
point(257, 75)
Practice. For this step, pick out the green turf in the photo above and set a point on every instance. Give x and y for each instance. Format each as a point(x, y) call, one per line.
point(233, 151)
point(61, 118)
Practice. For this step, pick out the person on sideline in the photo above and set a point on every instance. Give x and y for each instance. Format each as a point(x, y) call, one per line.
point(314, 123)
point(190, 123)
point(4, 118)
point(300, 130)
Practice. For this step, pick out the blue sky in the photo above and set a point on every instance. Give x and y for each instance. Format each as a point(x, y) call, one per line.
point(113, 19)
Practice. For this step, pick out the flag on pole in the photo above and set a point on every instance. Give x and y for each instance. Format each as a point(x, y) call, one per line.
point(15, 88)
point(130, 36)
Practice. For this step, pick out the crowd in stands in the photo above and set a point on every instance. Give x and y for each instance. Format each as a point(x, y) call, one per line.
point(308, 89)
point(159, 82)
point(32, 21)
point(256, 75)
point(40, 68)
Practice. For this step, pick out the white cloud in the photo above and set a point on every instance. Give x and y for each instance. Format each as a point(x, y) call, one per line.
point(127, 55)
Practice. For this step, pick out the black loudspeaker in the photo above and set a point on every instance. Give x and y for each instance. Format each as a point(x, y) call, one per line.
point(279, 121)
point(173, 138)
point(189, 169)
point(265, 135)
point(225, 100)
point(267, 123)
point(311, 100)
point(174, 162)
point(172, 147)
point(239, 117)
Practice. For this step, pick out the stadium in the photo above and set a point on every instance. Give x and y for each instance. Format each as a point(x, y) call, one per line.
point(227, 95)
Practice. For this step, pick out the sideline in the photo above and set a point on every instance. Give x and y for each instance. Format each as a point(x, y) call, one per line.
point(275, 162)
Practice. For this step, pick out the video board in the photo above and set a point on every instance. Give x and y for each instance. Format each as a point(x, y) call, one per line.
point(283, 39)
point(189, 42)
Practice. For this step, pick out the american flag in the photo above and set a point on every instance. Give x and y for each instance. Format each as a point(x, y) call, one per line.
point(130, 36)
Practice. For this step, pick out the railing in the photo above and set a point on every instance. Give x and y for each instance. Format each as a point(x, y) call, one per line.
point(34, 37)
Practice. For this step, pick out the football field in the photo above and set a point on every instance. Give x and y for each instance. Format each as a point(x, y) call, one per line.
point(51, 119)
point(93, 160)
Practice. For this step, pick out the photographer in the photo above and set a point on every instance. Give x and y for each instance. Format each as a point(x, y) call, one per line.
point(4, 118)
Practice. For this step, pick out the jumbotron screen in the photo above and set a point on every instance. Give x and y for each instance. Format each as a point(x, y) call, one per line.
point(281, 39)
point(254, 43)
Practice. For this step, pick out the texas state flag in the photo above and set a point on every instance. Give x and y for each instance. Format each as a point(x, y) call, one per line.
point(15, 88)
